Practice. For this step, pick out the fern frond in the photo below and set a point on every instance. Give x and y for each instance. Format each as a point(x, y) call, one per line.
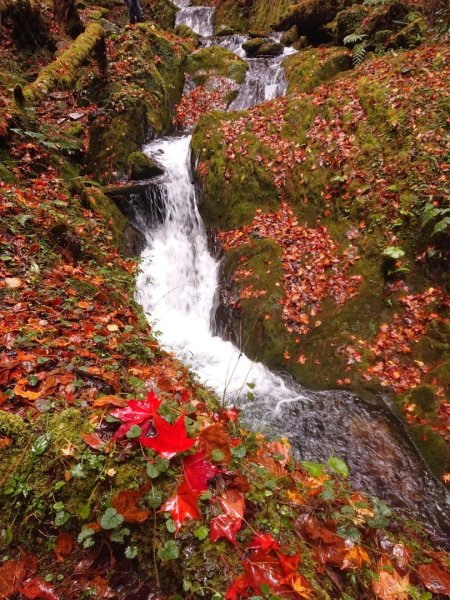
point(359, 53)
point(441, 226)
point(354, 38)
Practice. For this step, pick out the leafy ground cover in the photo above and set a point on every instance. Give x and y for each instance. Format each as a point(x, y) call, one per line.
point(120, 476)
point(356, 165)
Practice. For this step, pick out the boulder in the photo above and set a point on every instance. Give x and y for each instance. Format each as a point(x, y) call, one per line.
point(255, 47)
point(224, 30)
point(142, 167)
point(290, 37)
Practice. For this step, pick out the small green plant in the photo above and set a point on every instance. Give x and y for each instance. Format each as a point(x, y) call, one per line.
point(358, 42)
point(437, 217)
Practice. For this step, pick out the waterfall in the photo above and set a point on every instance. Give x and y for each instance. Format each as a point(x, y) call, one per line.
point(176, 287)
point(198, 18)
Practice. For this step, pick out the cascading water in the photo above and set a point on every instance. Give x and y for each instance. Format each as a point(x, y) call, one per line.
point(198, 18)
point(177, 286)
point(264, 81)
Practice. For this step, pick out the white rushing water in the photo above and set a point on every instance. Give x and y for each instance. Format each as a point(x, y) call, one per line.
point(178, 282)
point(198, 18)
point(265, 80)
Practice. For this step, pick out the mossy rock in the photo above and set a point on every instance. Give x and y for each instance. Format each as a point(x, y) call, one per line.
point(264, 15)
point(161, 12)
point(348, 21)
point(290, 37)
point(215, 61)
point(410, 36)
point(309, 68)
point(224, 30)
point(252, 45)
point(259, 46)
point(231, 14)
point(312, 16)
point(231, 191)
point(186, 32)
point(424, 397)
point(140, 166)
point(270, 48)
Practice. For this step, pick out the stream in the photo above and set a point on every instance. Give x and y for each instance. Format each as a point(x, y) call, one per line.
point(177, 288)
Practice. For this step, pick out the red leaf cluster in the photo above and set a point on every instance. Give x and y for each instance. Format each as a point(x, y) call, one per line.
point(313, 268)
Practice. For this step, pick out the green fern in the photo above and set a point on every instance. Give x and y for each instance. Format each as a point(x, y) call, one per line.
point(441, 226)
point(354, 38)
point(359, 54)
point(440, 217)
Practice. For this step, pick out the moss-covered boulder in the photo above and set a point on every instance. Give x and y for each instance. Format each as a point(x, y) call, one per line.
point(291, 36)
point(311, 16)
point(140, 166)
point(224, 30)
point(143, 86)
point(231, 190)
point(215, 61)
point(161, 12)
point(260, 46)
point(309, 68)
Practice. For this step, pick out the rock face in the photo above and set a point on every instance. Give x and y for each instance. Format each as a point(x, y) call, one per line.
point(141, 167)
point(146, 97)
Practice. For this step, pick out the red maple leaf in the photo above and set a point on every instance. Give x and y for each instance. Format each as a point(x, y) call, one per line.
point(135, 413)
point(170, 439)
point(229, 523)
point(183, 505)
point(198, 471)
point(264, 541)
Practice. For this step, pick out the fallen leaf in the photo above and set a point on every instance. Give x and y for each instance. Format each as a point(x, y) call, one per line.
point(183, 505)
point(170, 439)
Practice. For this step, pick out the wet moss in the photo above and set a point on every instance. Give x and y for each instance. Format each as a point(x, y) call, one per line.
point(232, 191)
point(309, 68)
point(217, 61)
point(264, 16)
point(64, 70)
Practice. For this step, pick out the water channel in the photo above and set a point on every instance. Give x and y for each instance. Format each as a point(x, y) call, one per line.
point(177, 287)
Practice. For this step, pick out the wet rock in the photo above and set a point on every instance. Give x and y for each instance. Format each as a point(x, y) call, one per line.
point(224, 30)
point(142, 167)
point(311, 17)
point(109, 27)
point(301, 43)
point(410, 36)
point(262, 47)
point(290, 37)
point(257, 34)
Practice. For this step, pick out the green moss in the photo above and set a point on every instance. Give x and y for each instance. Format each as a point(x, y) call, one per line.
point(232, 15)
point(140, 104)
point(11, 425)
point(263, 15)
point(5, 174)
point(218, 61)
point(261, 339)
point(162, 12)
point(129, 475)
point(433, 448)
point(64, 70)
point(309, 68)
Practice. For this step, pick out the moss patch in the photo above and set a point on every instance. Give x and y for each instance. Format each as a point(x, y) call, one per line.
point(215, 60)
